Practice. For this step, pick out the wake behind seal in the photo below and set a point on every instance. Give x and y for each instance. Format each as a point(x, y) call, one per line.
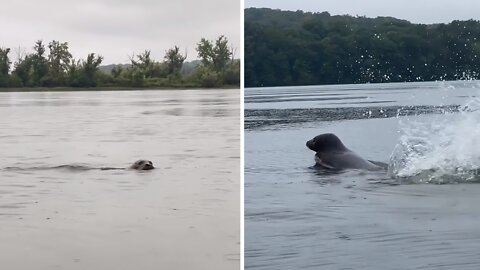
point(332, 154)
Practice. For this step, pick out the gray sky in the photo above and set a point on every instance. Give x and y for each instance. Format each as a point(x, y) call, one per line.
point(419, 11)
point(117, 28)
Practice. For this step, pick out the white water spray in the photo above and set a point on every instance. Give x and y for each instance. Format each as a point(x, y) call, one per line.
point(444, 150)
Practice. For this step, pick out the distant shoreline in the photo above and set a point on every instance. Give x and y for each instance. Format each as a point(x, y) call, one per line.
point(304, 48)
point(109, 88)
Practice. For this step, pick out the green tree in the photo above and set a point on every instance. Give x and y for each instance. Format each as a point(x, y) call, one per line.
point(217, 66)
point(4, 67)
point(39, 64)
point(231, 76)
point(143, 63)
point(59, 60)
point(137, 78)
point(215, 56)
point(90, 68)
point(208, 77)
point(90, 65)
point(23, 69)
point(205, 51)
point(221, 53)
point(174, 60)
point(4, 61)
point(83, 74)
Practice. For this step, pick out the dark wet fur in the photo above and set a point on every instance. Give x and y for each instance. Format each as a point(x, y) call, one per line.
point(332, 154)
point(142, 165)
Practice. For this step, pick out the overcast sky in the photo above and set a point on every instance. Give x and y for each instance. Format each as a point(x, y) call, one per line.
point(419, 11)
point(117, 28)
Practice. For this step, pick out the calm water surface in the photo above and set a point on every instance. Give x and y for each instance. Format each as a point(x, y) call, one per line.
point(299, 218)
point(183, 215)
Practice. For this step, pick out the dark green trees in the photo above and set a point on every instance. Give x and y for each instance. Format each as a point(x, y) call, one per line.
point(59, 60)
point(83, 73)
point(56, 69)
point(4, 61)
point(300, 48)
point(39, 64)
point(4, 67)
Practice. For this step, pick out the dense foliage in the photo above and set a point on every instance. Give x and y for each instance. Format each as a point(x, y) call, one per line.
point(52, 65)
point(303, 48)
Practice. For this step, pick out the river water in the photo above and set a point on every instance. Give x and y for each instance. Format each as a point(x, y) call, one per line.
point(412, 217)
point(58, 210)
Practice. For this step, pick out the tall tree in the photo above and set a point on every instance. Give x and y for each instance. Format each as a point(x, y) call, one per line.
point(143, 64)
point(4, 61)
point(174, 60)
point(221, 53)
point(59, 60)
point(23, 69)
point(205, 51)
point(4, 67)
point(90, 67)
point(83, 73)
point(39, 64)
point(215, 55)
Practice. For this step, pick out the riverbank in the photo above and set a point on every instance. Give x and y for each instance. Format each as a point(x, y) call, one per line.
point(110, 88)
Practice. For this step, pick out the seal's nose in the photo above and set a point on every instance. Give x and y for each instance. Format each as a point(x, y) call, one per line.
point(149, 165)
point(309, 144)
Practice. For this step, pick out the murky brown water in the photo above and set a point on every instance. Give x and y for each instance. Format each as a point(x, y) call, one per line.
point(183, 215)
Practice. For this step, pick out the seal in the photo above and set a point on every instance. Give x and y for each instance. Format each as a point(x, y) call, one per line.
point(331, 154)
point(142, 165)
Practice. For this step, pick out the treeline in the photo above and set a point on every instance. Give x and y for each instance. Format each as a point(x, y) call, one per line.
point(303, 48)
point(57, 68)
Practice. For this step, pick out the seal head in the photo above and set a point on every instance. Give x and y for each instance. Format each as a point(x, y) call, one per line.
point(142, 165)
point(326, 143)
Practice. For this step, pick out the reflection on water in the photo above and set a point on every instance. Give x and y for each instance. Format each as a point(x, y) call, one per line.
point(333, 96)
point(58, 206)
point(299, 218)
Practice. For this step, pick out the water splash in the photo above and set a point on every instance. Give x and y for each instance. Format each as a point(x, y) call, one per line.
point(444, 150)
